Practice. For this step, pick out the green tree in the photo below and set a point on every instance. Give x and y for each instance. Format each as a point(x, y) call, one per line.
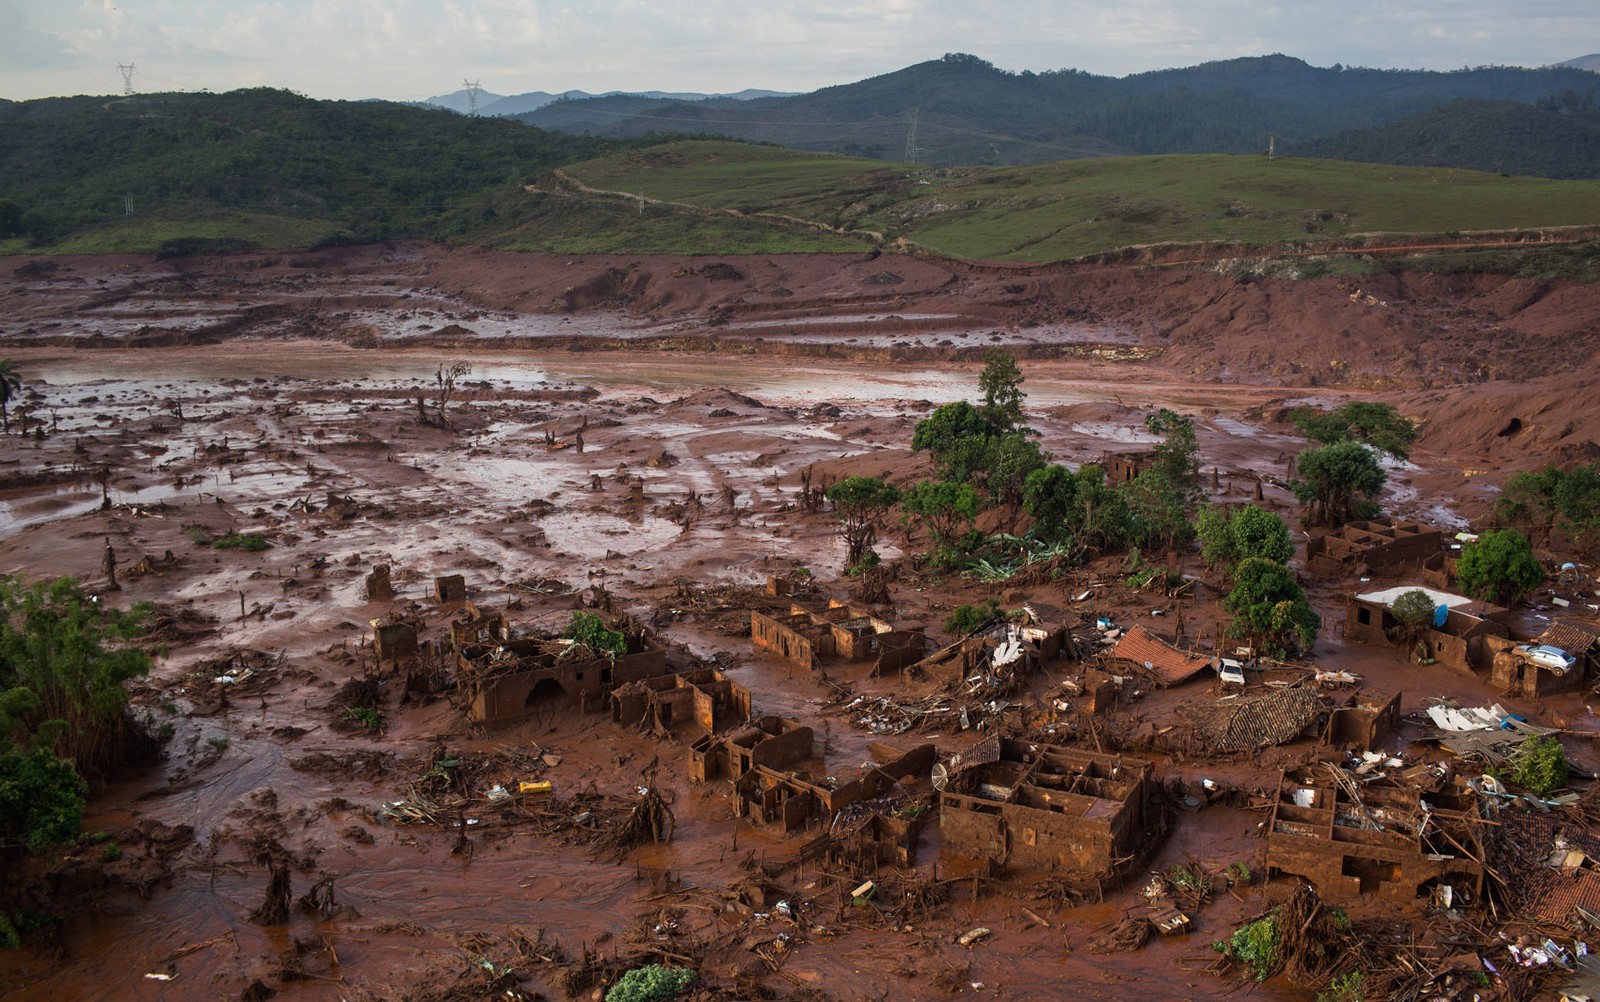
point(944, 509)
point(1540, 764)
point(1528, 501)
point(1337, 482)
point(1001, 385)
point(1158, 510)
point(957, 438)
point(1082, 506)
point(1010, 459)
point(1378, 425)
point(10, 389)
point(1270, 608)
point(1500, 567)
point(1175, 455)
point(1413, 612)
point(859, 503)
point(41, 799)
point(1229, 535)
point(71, 657)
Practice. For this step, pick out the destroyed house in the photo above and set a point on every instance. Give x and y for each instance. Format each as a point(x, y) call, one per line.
point(788, 801)
point(1018, 649)
point(770, 741)
point(1020, 805)
point(1467, 640)
point(692, 705)
point(1229, 725)
point(841, 632)
point(1580, 638)
point(512, 678)
point(1364, 721)
point(1382, 838)
point(1373, 547)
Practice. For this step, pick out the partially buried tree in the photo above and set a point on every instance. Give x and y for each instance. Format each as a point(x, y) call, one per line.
point(860, 503)
point(1413, 612)
point(1337, 482)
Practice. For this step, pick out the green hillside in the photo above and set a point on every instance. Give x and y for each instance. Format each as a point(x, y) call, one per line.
point(1047, 212)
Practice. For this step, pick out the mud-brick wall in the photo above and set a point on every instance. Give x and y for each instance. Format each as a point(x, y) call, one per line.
point(975, 833)
point(783, 750)
point(766, 634)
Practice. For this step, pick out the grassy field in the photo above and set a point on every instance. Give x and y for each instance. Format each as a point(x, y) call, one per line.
point(1067, 209)
point(144, 233)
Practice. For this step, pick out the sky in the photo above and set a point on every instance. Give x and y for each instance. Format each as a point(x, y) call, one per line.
point(414, 49)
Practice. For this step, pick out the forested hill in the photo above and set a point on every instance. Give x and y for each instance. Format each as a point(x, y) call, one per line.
point(963, 110)
point(1502, 137)
point(363, 170)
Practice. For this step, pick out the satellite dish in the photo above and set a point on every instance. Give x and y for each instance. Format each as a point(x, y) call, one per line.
point(941, 776)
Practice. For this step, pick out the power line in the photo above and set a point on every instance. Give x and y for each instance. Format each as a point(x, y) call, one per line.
point(473, 89)
point(911, 138)
point(127, 79)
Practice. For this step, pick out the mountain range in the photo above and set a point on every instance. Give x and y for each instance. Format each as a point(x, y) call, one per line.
point(961, 109)
point(502, 105)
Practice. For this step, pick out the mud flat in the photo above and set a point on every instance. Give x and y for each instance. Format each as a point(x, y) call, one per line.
point(665, 487)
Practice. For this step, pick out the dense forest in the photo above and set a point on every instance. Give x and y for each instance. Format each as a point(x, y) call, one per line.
point(370, 170)
point(963, 110)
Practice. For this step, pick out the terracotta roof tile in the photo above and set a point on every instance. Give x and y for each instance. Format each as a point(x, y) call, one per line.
point(1167, 663)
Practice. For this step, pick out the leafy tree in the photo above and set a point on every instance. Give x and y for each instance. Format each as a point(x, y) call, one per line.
point(71, 656)
point(956, 435)
point(1378, 425)
point(945, 509)
point(1270, 608)
point(1413, 612)
point(859, 503)
point(1175, 456)
point(41, 799)
point(1001, 384)
point(1157, 509)
point(1500, 567)
point(1079, 506)
point(1528, 500)
point(1338, 481)
point(10, 389)
point(965, 619)
point(1541, 502)
point(589, 630)
point(1229, 535)
point(1010, 460)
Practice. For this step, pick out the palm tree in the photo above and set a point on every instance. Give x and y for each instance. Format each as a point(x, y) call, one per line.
point(10, 388)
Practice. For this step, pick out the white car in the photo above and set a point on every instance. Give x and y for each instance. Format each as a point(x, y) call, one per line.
point(1545, 656)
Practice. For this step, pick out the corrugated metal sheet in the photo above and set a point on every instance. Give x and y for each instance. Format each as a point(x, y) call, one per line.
point(1167, 663)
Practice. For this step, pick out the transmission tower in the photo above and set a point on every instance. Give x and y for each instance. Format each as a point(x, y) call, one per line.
point(127, 79)
point(911, 138)
point(473, 89)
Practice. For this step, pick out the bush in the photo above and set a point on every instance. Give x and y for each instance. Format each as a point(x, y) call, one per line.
point(1255, 945)
point(651, 983)
point(254, 542)
point(1346, 987)
point(967, 618)
point(1540, 765)
point(591, 631)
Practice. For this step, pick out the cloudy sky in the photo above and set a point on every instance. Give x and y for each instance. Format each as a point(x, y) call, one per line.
point(411, 49)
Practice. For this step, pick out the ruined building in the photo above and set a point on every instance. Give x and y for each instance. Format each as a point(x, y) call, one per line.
point(1382, 838)
point(1467, 640)
point(840, 633)
point(1381, 547)
point(1016, 805)
point(505, 677)
point(1514, 673)
point(690, 706)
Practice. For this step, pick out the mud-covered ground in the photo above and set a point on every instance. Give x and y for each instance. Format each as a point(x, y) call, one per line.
point(279, 396)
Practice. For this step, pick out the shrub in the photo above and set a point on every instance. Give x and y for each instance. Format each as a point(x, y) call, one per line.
point(1540, 764)
point(1255, 945)
point(651, 983)
point(1499, 567)
point(368, 717)
point(1346, 987)
point(967, 618)
point(254, 542)
point(590, 631)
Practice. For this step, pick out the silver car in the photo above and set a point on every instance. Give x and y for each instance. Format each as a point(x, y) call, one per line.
point(1545, 656)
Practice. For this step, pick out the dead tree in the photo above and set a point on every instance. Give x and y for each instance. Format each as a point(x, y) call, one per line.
point(446, 378)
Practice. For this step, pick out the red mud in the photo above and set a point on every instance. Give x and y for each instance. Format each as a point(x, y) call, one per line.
point(296, 378)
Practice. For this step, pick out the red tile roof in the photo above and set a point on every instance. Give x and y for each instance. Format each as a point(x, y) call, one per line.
point(1168, 664)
